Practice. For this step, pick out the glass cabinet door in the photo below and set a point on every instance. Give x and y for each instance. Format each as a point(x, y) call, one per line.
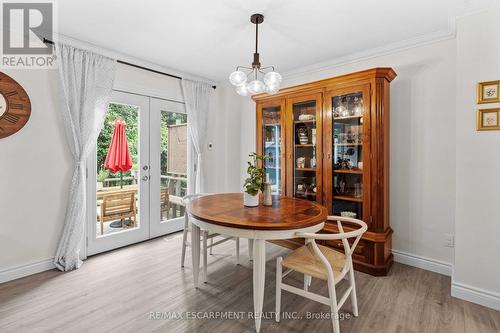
point(272, 144)
point(306, 146)
point(350, 150)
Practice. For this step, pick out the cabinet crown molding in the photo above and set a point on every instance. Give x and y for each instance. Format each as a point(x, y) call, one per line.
point(378, 72)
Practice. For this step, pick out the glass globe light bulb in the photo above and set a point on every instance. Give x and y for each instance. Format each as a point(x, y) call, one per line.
point(256, 87)
point(272, 78)
point(242, 89)
point(273, 88)
point(237, 78)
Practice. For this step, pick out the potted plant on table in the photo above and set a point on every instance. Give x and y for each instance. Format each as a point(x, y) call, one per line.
point(102, 175)
point(255, 181)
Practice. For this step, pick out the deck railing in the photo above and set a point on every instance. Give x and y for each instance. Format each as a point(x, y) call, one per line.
point(180, 182)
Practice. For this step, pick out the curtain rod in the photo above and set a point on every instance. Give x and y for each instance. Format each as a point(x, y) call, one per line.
point(47, 41)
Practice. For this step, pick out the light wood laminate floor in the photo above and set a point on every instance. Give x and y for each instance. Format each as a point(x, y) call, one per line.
point(117, 291)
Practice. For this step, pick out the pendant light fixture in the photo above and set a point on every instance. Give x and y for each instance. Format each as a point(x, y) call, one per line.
point(246, 79)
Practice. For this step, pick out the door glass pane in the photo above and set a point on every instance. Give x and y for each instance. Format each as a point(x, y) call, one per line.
point(173, 164)
point(348, 112)
point(271, 122)
point(304, 123)
point(117, 191)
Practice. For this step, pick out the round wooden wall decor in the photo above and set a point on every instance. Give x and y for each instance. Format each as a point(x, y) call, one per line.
point(15, 106)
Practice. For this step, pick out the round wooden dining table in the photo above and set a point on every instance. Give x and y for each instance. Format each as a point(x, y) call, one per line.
point(225, 214)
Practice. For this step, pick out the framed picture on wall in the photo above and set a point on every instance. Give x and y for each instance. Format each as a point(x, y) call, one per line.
point(488, 92)
point(488, 119)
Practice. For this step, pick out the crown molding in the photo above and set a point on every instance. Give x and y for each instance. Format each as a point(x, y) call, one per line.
point(419, 41)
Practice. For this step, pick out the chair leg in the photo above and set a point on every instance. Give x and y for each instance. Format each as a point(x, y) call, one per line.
point(237, 250)
point(250, 249)
point(205, 240)
point(307, 282)
point(211, 245)
point(354, 298)
point(102, 228)
point(184, 239)
point(333, 306)
point(279, 272)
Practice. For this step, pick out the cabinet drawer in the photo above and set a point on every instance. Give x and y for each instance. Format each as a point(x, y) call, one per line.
point(361, 252)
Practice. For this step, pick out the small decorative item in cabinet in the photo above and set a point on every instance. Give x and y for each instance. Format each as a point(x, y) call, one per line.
point(358, 190)
point(358, 106)
point(312, 162)
point(306, 117)
point(343, 164)
point(341, 109)
point(488, 119)
point(488, 92)
point(348, 214)
point(301, 162)
point(303, 135)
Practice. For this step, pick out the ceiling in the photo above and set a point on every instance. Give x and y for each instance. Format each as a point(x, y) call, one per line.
point(209, 38)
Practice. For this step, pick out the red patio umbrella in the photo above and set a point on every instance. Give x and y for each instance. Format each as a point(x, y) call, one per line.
point(118, 158)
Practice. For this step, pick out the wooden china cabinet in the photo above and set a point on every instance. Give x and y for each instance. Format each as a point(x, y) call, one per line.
point(328, 141)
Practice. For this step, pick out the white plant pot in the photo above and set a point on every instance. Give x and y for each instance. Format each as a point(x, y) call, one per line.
point(99, 186)
point(250, 200)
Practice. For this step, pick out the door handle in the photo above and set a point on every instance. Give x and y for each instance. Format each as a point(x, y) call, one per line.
point(145, 178)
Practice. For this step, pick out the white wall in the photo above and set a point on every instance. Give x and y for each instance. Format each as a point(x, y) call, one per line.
point(147, 83)
point(227, 136)
point(35, 171)
point(422, 173)
point(478, 160)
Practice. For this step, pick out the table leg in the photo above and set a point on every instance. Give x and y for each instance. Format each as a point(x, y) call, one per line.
point(250, 249)
point(195, 253)
point(205, 240)
point(259, 279)
point(237, 250)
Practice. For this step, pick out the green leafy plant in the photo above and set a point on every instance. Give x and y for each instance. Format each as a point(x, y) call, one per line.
point(256, 175)
point(102, 175)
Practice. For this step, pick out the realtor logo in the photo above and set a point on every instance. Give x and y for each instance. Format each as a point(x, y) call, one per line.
point(25, 26)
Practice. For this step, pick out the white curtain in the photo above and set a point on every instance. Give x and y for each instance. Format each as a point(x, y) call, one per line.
point(197, 99)
point(87, 82)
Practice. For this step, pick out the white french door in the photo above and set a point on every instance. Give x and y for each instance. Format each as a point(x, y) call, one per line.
point(169, 162)
point(145, 201)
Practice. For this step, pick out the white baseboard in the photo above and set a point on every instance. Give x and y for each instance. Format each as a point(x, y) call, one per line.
point(17, 272)
point(428, 264)
point(475, 295)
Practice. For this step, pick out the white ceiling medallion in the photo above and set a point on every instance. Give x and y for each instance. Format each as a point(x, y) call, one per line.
point(246, 79)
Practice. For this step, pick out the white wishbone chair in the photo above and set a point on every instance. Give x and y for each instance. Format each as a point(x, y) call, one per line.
point(205, 236)
point(324, 263)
